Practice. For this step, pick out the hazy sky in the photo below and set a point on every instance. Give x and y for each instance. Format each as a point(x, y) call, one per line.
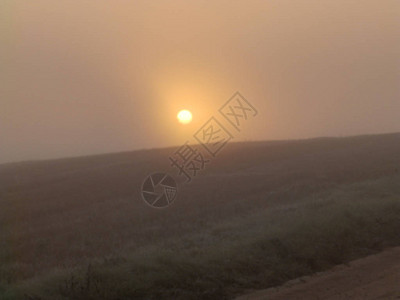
point(81, 77)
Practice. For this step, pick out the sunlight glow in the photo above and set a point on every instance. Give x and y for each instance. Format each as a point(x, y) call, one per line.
point(184, 116)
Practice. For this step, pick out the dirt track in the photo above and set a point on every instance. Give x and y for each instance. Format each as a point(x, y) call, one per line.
point(373, 277)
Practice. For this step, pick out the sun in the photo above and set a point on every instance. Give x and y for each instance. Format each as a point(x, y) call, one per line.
point(184, 116)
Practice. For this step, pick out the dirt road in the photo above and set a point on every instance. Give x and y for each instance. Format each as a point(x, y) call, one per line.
point(373, 277)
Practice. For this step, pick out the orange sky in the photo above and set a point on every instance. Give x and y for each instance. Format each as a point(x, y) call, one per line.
point(83, 77)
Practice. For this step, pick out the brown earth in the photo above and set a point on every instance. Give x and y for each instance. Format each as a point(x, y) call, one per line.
point(374, 277)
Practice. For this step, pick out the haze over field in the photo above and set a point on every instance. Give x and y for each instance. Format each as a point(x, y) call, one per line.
point(97, 202)
point(262, 214)
point(83, 77)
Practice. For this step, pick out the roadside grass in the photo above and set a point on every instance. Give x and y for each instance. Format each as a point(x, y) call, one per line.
point(260, 250)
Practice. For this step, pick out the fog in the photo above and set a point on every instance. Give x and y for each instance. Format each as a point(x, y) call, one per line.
point(86, 77)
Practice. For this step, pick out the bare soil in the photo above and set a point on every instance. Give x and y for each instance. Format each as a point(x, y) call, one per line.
point(374, 277)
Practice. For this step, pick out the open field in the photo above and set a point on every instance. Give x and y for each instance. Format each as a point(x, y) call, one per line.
point(262, 213)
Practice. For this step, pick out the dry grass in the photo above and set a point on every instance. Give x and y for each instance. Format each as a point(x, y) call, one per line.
point(260, 214)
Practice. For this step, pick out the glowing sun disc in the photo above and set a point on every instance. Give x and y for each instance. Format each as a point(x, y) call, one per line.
point(184, 116)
